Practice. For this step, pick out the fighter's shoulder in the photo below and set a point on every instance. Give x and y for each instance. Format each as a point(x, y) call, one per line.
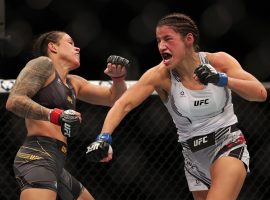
point(41, 67)
point(42, 60)
point(218, 57)
point(222, 60)
point(159, 69)
point(156, 75)
point(77, 80)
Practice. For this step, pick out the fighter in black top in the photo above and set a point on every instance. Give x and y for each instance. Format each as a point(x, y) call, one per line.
point(45, 95)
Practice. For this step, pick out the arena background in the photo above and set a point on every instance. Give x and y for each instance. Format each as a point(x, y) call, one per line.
point(147, 162)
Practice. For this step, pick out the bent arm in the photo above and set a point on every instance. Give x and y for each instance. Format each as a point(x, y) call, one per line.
point(98, 95)
point(239, 80)
point(30, 80)
point(106, 96)
point(248, 88)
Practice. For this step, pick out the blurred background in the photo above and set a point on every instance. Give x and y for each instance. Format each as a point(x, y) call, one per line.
point(147, 162)
point(127, 28)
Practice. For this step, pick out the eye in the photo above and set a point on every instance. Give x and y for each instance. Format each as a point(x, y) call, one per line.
point(168, 39)
point(72, 43)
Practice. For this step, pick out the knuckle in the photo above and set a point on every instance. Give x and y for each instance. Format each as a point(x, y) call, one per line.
point(117, 60)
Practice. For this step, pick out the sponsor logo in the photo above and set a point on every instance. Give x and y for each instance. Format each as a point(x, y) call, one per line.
point(197, 182)
point(67, 129)
point(201, 102)
point(64, 149)
point(28, 156)
point(200, 141)
point(69, 99)
point(6, 85)
point(92, 147)
point(55, 184)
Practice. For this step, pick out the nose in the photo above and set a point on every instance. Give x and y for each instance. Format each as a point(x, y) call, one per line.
point(161, 45)
point(77, 49)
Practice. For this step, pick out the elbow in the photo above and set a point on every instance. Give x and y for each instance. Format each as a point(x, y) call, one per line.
point(261, 97)
point(264, 95)
point(10, 104)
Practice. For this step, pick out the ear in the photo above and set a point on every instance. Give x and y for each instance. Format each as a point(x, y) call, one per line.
point(189, 39)
point(51, 47)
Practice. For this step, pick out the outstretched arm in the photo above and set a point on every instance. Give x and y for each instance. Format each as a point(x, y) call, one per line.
point(134, 96)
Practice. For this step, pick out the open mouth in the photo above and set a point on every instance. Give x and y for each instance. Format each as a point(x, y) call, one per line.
point(166, 57)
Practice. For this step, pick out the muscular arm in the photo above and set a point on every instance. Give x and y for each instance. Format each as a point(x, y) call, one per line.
point(98, 95)
point(116, 69)
point(30, 80)
point(239, 81)
point(133, 97)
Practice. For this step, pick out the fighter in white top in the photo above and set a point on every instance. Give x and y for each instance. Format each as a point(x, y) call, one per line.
point(196, 88)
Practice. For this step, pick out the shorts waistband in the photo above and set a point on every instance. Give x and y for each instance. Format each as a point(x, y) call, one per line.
point(200, 142)
point(60, 145)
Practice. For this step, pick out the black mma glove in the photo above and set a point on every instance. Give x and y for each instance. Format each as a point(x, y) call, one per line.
point(118, 60)
point(99, 149)
point(68, 120)
point(207, 74)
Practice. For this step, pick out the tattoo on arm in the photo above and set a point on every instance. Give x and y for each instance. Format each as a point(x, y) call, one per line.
point(30, 80)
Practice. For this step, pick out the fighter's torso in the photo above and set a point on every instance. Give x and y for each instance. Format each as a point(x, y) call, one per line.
point(198, 112)
point(57, 95)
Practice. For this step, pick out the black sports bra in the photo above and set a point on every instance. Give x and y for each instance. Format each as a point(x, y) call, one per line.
point(57, 95)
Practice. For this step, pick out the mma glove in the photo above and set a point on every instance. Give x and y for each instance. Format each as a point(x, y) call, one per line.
point(118, 60)
point(207, 74)
point(99, 149)
point(68, 120)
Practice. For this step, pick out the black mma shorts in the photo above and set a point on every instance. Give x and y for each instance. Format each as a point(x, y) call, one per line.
point(39, 163)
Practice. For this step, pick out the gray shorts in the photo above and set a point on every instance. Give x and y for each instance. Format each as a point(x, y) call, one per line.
point(201, 151)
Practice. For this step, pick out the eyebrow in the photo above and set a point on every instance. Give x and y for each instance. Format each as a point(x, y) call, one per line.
point(70, 39)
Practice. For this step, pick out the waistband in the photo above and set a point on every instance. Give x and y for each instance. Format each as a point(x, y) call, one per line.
point(59, 144)
point(200, 142)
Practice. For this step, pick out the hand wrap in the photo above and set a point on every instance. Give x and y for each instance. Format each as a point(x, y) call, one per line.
point(99, 149)
point(68, 120)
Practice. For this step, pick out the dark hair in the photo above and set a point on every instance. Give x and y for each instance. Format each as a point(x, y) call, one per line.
point(40, 46)
point(182, 24)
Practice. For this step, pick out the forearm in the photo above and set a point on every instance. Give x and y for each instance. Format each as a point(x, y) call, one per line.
point(117, 89)
point(114, 117)
point(27, 108)
point(250, 90)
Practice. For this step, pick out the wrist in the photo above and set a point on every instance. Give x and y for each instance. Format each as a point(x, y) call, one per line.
point(119, 78)
point(107, 137)
point(54, 116)
point(223, 80)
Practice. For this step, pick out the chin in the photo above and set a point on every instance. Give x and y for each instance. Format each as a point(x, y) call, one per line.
point(168, 64)
point(75, 66)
